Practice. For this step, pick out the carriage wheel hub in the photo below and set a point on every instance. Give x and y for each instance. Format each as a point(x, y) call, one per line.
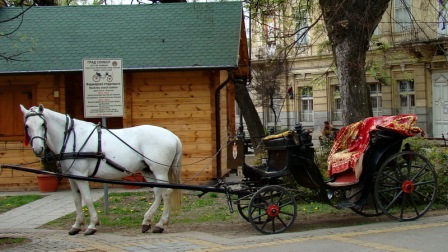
point(273, 210)
point(407, 186)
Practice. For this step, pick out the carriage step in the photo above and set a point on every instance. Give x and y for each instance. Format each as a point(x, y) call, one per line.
point(344, 203)
point(341, 184)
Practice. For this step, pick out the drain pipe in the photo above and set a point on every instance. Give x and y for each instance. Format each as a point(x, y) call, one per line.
point(218, 122)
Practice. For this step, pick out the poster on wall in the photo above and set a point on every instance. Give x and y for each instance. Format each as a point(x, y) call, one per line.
point(103, 88)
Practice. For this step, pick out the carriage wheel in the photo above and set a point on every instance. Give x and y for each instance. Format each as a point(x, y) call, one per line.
point(365, 204)
point(406, 186)
point(243, 207)
point(272, 210)
point(242, 204)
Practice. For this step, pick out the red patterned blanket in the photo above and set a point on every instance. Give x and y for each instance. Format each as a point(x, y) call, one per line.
point(352, 140)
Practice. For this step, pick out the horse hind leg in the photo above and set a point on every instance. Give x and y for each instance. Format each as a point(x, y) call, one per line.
point(148, 218)
point(166, 195)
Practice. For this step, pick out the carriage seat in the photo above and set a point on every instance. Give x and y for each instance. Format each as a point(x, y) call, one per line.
point(262, 172)
point(345, 161)
point(280, 141)
point(276, 164)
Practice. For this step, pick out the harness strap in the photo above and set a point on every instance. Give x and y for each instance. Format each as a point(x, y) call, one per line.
point(74, 155)
point(116, 166)
point(68, 130)
point(98, 129)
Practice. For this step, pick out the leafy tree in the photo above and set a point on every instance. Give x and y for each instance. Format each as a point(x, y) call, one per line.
point(267, 85)
point(349, 26)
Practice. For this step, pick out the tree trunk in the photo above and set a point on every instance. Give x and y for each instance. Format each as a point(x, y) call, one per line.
point(250, 114)
point(350, 25)
point(355, 95)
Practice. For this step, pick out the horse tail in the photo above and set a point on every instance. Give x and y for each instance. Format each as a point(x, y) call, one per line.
point(174, 175)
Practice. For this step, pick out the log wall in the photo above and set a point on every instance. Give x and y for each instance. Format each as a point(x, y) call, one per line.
point(181, 101)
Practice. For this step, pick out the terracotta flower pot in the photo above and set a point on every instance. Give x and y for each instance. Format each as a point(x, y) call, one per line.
point(47, 183)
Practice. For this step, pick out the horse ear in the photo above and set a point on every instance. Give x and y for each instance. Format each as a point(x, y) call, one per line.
point(41, 108)
point(24, 110)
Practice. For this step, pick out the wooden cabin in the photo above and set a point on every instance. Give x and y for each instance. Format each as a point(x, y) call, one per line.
point(179, 65)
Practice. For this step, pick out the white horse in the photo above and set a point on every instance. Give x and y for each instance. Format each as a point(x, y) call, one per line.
point(85, 149)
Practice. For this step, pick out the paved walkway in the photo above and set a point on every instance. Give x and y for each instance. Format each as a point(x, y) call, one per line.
point(51, 207)
point(425, 234)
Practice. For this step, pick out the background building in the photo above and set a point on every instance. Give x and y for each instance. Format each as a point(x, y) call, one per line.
point(407, 66)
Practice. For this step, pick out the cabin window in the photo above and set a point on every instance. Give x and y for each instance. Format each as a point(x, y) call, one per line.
point(11, 117)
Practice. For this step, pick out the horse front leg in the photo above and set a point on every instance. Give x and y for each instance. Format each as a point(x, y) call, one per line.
point(86, 195)
point(80, 220)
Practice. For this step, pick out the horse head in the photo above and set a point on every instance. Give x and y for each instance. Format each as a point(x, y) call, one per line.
point(35, 128)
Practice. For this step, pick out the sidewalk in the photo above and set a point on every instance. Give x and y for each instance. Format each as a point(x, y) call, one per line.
point(51, 207)
point(388, 236)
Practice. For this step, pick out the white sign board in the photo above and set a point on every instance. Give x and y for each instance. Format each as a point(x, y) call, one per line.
point(103, 88)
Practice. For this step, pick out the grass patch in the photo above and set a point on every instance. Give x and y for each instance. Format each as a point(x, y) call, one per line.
point(10, 240)
point(127, 210)
point(10, 202)
point(210, 212)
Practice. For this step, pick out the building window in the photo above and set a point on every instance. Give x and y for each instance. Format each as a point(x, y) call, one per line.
point(270, 115)
point(376, 32)
point(11, 118)
point(407, 96)
point(376, 99)
point(337, 111)
point(442, 28)
point(402, 15)
point(270, 32)
point(306, 102)
point(302, 37)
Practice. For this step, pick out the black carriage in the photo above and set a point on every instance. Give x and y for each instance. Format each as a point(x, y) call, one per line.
point(394, 181)
point(397, 182)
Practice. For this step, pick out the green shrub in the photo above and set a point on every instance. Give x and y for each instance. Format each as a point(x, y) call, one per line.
point(438, 156)
point(321, 156)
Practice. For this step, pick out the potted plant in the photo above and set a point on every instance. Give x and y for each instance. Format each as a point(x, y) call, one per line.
point(47, 183)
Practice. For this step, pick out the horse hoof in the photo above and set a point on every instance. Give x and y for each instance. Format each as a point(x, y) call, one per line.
point(145, 228)
point(90, 231)
point(157, 230)
point(74, 231)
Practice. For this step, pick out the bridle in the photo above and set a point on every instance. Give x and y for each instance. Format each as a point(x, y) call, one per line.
point(44, 138)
